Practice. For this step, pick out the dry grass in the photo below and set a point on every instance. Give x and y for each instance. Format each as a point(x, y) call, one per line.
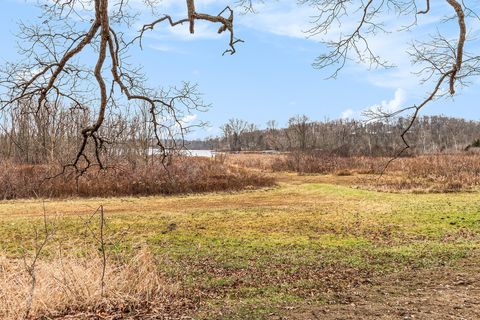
point(454, 171)
point(70, 285)
point(430, 173)
point(183, 175)
point(425, 173)
point(306, 163)
point(319, 163)
point(253, 160)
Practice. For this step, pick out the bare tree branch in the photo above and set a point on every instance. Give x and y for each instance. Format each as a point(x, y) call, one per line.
point(53, 75)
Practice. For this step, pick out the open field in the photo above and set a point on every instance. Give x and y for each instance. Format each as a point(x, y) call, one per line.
point(306, 249)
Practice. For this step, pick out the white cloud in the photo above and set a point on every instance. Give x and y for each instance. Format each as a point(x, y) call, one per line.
point(166, 48)
point(348, 114)
point(392, 105)
point(287, 18)
point(396, 103)
point(189, 119)
point(284, 18)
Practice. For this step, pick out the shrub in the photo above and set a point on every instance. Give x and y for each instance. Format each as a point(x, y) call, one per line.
point(182, 175)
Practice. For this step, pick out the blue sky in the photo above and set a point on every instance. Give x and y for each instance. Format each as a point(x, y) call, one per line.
point(271, 77)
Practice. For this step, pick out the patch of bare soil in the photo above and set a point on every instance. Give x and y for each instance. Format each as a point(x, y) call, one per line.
point(436, 294)
point(174, 310)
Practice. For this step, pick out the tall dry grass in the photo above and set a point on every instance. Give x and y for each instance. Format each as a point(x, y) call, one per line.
point(182, 175)
point(320, 163)
point(435, 173)
point(71, 286)
point(251, 160)
point(305, 162)
point(424, 173)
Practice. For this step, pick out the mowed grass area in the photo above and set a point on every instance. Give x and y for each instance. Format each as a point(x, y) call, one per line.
point(263, 253)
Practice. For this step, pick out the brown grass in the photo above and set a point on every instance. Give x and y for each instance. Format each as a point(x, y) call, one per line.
point(253, 160)
point(425, 173)
point(307, 163)
point(183, 175)
point(69, 285)
point(434, 173)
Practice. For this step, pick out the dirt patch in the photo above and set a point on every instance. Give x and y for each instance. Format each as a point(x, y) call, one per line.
point(441, 293)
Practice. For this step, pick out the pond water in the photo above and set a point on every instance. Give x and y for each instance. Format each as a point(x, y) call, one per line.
point(200, 153)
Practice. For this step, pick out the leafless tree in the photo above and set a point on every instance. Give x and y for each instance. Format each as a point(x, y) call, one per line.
point(233, 132)
point(272, 136)
point(55, 71)
point(444, 62)
point(300, 132)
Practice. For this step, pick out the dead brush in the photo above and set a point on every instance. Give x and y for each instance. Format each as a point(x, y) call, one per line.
point(183, 175)
point(442, 172)
point(251, 160)
point(424, 173)
point(324, 163)
point(70, 285)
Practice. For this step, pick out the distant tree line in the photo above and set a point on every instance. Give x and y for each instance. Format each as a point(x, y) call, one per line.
point(35, 136)
point(430, 134)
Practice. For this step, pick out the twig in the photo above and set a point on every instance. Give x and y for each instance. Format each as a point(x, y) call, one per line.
point(31, 268)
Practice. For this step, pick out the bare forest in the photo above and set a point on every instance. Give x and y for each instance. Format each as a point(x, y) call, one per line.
point(429, 134)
